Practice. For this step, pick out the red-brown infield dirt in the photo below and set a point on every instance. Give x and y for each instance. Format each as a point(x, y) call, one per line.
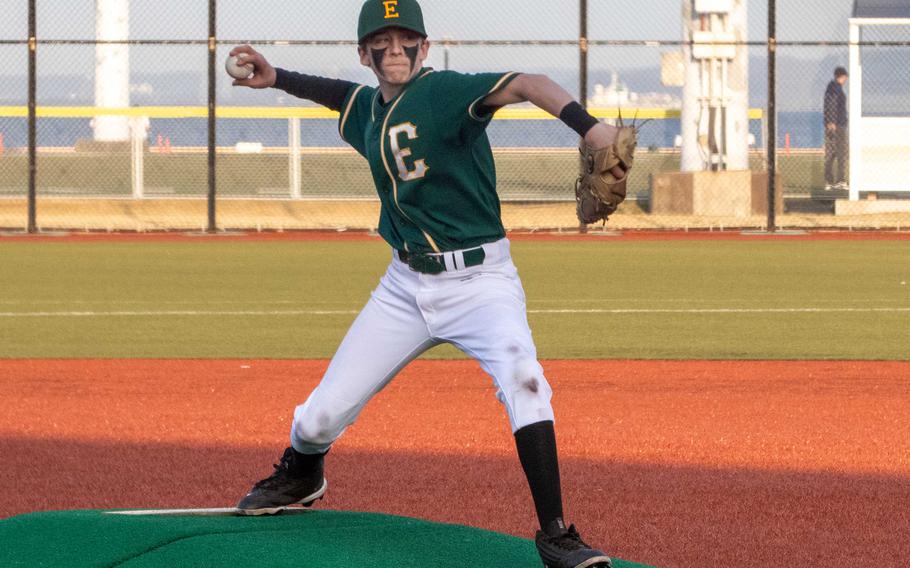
point(668, 463)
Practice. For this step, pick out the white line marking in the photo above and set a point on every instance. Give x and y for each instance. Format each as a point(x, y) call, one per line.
point(181, 302)
point(180, 512)
point(225, 512)
point(723, 311)
point(194, 313)
point(313, 303)
point(180, 313)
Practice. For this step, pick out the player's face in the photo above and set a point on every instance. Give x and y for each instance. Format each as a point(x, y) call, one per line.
point(395, 54)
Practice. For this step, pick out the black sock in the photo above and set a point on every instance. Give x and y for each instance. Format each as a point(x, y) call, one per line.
point(305, 464)
point(537, 451)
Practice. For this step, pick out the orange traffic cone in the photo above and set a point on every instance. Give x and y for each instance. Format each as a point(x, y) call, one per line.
point(167, 145)
point(1, 143)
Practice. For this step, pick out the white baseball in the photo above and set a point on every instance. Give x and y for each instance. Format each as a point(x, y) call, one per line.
point(236, 69)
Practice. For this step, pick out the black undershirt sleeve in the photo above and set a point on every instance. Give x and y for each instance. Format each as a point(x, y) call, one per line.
point(330, 93)
point(484, 110)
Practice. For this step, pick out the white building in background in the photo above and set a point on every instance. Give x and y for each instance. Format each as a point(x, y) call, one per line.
point(879, 145)
point(112, 69)
point(618, 95)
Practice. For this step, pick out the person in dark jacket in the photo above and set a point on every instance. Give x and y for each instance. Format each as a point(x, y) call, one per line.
point(836, 131)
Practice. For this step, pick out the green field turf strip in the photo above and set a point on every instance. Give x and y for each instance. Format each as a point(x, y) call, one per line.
point(295, 300)
point(315, 539)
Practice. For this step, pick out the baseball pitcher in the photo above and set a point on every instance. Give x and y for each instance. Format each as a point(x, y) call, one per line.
point(450, 278)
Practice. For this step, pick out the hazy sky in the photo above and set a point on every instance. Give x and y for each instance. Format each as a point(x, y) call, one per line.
point(461, 19)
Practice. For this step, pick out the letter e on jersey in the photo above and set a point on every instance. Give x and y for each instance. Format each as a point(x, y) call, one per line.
point(420, 166)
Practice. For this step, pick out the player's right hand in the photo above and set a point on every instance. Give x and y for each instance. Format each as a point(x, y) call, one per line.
point(263, 75)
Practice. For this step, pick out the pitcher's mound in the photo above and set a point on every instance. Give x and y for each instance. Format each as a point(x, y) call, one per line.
point(216, 537)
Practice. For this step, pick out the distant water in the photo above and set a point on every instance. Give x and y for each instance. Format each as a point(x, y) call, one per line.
point(805, 130)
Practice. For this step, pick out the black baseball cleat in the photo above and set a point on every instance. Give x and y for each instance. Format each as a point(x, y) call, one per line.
point(292, 483)
point(560, 547)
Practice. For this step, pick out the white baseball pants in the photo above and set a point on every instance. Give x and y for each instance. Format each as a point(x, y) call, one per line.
point(480, 310)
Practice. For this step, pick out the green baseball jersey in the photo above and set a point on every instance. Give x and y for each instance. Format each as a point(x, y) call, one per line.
point(430, 159)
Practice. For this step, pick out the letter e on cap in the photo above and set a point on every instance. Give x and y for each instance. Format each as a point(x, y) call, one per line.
point(391, 9)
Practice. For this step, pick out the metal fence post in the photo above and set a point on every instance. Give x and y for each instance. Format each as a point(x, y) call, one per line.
point(32, 130)
point(582, 71)
point(772, 115)
point(583, 54)
point(137, 154)
point(294, 151)
point(212, 225)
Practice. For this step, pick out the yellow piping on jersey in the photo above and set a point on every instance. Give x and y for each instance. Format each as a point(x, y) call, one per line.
point(373, 105)
point(347, 112)
point(495, 88)
point(382, 134)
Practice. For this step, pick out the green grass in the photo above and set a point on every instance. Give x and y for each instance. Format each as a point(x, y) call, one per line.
point(664, 283)
point(543, 175)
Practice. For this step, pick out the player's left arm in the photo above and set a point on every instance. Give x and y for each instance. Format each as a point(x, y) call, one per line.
point(544, 93)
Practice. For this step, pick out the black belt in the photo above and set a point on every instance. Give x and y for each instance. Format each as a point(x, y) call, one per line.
point(434, 263)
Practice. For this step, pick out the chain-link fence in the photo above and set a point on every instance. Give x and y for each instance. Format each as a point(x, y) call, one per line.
point(122, 124)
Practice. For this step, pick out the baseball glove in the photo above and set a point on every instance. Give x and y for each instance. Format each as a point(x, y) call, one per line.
point(598, 192)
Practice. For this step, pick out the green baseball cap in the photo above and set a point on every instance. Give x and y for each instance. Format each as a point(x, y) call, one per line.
point(380, 14)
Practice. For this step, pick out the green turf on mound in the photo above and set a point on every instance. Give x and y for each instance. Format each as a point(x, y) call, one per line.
point(313, 539)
